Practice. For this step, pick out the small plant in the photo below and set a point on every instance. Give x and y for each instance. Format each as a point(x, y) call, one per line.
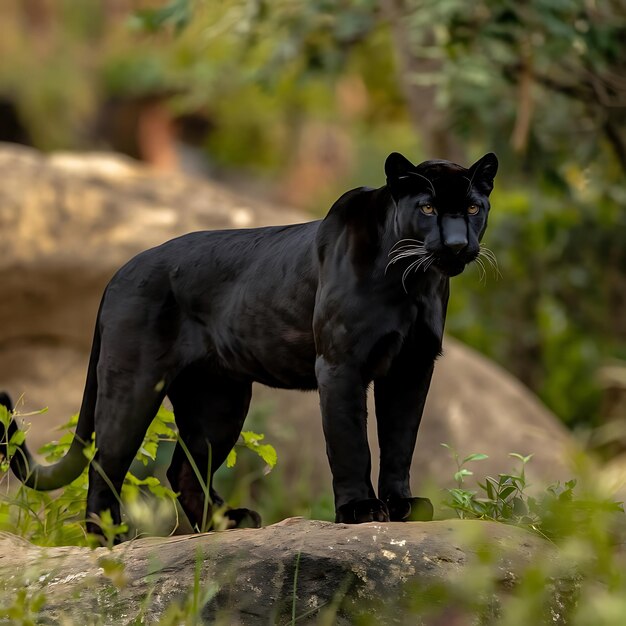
point(555, 513)
point(504, 498)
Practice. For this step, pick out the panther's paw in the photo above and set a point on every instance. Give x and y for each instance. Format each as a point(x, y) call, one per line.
point(410, 509)
point(362, 511)
point(242, 518)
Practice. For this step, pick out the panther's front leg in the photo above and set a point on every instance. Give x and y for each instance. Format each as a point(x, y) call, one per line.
point(344, 414)
point(400, 397)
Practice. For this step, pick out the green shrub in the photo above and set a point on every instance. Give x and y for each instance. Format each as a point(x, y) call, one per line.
point(56, 518)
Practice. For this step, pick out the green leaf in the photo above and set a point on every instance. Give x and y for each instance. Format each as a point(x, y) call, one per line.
point(523, 459)
point(489, 483)
point(265, 451)
point(231, 459)
point(506, 479)
point(461, 474)
point(250, 438)
point(462, 496)
point(519, 506)
point(18, 438)
point(478, 508)
point(268, 454)
point(506, 492)
point(160, 430)
point(147, 452)
point(5, 416)
point(474, 457)
point(453, 453)
point(155, 487)
point(506, 511)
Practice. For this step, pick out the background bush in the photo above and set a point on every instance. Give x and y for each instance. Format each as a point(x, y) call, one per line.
point(300, 100)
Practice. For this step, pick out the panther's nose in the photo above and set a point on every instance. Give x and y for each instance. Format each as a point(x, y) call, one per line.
point(454, 233)
point(456, 244)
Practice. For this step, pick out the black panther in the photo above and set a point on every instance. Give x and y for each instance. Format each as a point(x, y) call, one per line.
point(335, 304)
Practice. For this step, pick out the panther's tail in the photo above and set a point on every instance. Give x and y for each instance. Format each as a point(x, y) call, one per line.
point(67, 469)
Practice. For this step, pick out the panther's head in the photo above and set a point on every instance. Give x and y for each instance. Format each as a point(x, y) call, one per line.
point(441, 211)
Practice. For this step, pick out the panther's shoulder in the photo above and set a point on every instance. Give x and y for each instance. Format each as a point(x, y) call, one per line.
point(348, 204)
point(359, 211)
point(358, 206)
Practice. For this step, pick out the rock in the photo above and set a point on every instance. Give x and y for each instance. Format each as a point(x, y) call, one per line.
point(67, 222)
point(259, 576)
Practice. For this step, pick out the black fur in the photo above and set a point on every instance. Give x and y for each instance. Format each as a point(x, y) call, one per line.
point(315, 305)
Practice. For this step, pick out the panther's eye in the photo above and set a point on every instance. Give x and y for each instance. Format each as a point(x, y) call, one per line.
point(472, 209)
point(427, 209)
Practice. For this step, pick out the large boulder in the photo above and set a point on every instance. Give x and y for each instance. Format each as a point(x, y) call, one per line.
point(314, 572)
point(473, 406)
point(67, 222)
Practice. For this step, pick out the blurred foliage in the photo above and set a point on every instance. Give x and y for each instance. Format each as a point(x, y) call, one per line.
point(557, 311)
point(540, 78)
point(540, 82)
point(57, 518)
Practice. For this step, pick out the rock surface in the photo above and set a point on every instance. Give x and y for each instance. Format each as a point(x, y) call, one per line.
point(67, 222)
point(260, 576)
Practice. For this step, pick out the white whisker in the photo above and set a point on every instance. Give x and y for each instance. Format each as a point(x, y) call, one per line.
point(422, 261)
point(407, 251)
point(490, 257)
point(414, 241)
point(410, 248)
point(407, 271)
point(403, 255)
point(488, 254)
point(482, 273)
point(405, 248)
point(492, 260)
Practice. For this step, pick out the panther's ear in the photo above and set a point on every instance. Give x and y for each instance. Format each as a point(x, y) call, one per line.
point(397, 166)
point(483, 172)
